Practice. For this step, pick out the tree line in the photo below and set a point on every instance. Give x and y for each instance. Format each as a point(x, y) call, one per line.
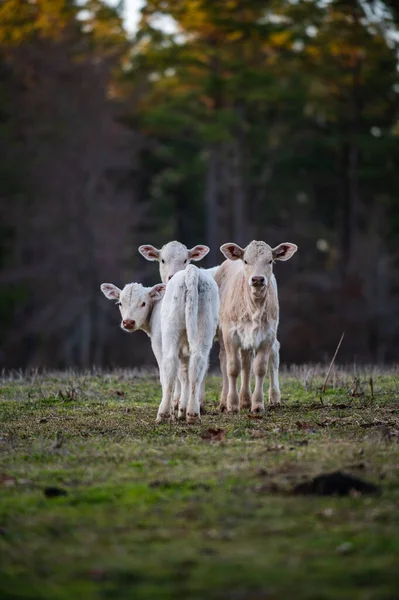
point(217, 121)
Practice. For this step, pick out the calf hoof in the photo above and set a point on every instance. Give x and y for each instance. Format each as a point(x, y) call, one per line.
point(193, 418)
point(258, 409)
point(233, 410)
point(176, 402)
point(164, 418)
point(245, 401)
point(222, 407)
point(274, 399)
point(182, 414)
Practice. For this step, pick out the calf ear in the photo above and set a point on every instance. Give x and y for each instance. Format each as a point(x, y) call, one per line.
point(149, 252)
point(284, 251)
point(232, 251)
point(157, 292)
point(110, 291)
point(198, 252)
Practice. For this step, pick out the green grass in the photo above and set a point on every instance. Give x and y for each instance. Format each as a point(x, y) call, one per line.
point(156, 512)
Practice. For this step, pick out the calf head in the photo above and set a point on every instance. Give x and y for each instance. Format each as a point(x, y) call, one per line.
point(173, 257)
point(135, 302)
point(258, 259)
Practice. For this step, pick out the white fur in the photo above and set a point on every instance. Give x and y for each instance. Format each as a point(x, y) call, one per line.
point(174, 257)
point(182, 325)
point(249, 319)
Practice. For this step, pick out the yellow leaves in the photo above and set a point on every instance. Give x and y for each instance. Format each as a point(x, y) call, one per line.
point(20, 19)
point(280, 39)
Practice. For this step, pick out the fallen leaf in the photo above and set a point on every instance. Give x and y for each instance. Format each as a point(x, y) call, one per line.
point(267, 488)
point(305, 427)
point(7, 480)
point(213, 435)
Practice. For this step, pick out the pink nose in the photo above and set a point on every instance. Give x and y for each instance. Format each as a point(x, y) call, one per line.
point(258, 280)
point(128, 324)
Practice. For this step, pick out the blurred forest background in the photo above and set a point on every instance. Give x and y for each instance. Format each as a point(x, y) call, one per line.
point(241, 119)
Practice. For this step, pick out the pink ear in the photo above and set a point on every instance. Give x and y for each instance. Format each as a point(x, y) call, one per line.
point(149, 252)
point(198, 252)
point(157, 292)
point(110, 291)
point(232, 251)
point(284, 251)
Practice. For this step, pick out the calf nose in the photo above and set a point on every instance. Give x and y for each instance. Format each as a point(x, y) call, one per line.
point(258, 280)
point(128, 324)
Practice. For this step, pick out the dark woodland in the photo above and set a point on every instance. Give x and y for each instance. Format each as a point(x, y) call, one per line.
point(242, 119)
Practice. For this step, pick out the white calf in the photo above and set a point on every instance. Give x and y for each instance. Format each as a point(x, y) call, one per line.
point(174, 257)
point(181, 324)
point(249, 317)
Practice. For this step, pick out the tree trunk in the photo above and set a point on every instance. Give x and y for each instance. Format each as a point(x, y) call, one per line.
point(211, 206)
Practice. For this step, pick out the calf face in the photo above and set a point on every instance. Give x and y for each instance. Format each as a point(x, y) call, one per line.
point(135, 302)
point(258, 258)
point(173, 257)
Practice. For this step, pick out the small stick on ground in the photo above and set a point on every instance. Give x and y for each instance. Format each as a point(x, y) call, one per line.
point(323, 389)
point(372, 388)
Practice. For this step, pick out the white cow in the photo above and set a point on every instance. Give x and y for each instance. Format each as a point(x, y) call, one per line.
point(249, 317)
point(174, 257)
point(181, 319)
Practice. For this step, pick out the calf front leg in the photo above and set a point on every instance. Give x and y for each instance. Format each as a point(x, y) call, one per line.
point(274, 363)
point(245, 391)
point(233, 370)
point(260, 367)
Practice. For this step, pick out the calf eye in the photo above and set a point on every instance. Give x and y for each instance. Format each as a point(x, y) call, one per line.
point(245, 262)
point(270, 262)
point(163, 261)
point(143, 304)
point(185, 261)
point(118, 303)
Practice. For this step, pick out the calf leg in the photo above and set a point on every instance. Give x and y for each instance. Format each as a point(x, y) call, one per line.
point(184, 365)
point(202, 397)
point(196, 373)
point(260, 366)
point(223, 368)
point(177, 392)
point(233, 370)
point(274, 363)
point(170, 368)
point(245, 391)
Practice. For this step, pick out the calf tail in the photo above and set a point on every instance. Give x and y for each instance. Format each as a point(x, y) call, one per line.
point(192, 274)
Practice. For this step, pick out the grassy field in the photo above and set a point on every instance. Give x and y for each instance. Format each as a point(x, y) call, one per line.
point(98, 502)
